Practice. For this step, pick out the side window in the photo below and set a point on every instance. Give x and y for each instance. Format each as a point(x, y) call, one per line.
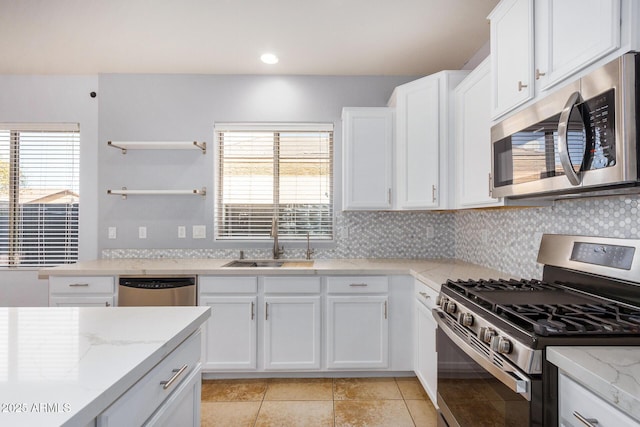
point(39, 194)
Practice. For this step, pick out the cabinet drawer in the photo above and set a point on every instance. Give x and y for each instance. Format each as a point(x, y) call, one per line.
point(425, 295)
point(228, 284)
point(146, 396)
point(357, 284)
point(576, 398)
point(287, 285)
point(81, 284)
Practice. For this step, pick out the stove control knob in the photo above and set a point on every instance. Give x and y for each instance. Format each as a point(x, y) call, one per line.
point(439, 300)
point(501, 345)
point(451, 307)
point(504, 346)
point(487, 334)
point(466, 319)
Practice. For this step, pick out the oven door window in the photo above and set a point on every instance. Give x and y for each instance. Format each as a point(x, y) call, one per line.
point(470, 396)
point(532, 153)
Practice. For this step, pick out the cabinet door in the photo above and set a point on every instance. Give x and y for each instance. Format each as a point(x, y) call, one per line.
point(473, 139)
point(512, 55)
point(426, 360)
point(230, 333)
point(81, 301)
point(182, 407)
point(357, 332)
point(367, 157)
point(574, 399)
point(571, 34)
point(418, 138)
point(292, 332)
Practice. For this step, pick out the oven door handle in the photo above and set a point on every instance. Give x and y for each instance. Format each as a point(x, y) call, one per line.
point(508, 375)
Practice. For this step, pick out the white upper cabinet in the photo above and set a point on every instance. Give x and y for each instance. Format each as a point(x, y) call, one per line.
point(473, 139)
point(512, 55)
point(417, 148)
point(367, 143)
point(571, 34)
point(424, 137)
point(536, 45)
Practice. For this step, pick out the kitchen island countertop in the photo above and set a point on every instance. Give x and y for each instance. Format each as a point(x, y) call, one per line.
point(64, 366)
point(612, 373)
point(432, 272)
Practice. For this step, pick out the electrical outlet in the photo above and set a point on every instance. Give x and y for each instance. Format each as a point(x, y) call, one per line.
point(112, 233)
point(199, 231)
point(430, 234)
point(142, 232)
point(182, 232)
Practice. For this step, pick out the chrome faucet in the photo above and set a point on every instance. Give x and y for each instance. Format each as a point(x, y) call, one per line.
point(309, 250)
point(277, 250)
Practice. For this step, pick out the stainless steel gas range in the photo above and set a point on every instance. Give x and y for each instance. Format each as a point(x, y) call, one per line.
point(492, 334)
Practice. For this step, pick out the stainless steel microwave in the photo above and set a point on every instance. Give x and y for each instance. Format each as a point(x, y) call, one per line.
point(580, 140)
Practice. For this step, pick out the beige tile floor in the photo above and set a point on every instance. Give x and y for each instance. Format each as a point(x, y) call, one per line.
point(340, 402)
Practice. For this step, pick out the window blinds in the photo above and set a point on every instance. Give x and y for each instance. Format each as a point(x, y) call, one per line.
point(284, 171)
point(39, 194)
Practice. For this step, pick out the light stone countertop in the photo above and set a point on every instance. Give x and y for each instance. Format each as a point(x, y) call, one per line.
point(612, 373)
point(64, 366)
point(432, 272)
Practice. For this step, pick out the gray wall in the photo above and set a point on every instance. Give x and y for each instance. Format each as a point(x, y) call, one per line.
point(43, 99)
point(186, 107)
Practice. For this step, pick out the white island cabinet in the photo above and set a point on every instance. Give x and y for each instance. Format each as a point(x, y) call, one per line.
point(597, 385)
point(90, 366)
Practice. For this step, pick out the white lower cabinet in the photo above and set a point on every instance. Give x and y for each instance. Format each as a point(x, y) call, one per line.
point(230, 334)
point(292, 323)
point(576, 402)
point(81, 291)
point(292, 332)
point(357, 332)
point(167, 395)
point(307, 323)
point(425, 328)
point(357, 322)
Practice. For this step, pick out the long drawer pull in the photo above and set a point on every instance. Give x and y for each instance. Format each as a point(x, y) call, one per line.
point(589, 422)
point(166, 384)
point(75, 285)
point(358, 285)
point(424, 294)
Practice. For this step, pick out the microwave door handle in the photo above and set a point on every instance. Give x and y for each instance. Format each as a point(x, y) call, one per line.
point(563, 139)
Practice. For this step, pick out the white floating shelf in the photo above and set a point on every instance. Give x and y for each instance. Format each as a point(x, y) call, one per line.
point(158, 145)
point(125, 192)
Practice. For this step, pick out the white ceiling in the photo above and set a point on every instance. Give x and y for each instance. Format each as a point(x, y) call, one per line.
point(322, 37)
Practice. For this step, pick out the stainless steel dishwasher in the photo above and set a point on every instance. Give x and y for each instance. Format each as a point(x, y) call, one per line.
point(156, 291)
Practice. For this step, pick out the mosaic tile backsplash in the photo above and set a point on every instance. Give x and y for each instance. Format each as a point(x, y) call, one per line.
point(358, 235)
point(508, 239)
point(504, 239)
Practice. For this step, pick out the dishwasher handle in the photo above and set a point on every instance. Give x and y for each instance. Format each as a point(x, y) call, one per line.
point(157, 282)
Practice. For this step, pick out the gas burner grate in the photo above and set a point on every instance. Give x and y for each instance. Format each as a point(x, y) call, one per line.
point(574, 319)
point(468, 287)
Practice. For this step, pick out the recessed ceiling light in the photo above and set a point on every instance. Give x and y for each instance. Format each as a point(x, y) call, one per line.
point(269, 58)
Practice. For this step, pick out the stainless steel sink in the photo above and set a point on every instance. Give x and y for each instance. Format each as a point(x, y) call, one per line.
point(255, 263)
point(263, 263)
